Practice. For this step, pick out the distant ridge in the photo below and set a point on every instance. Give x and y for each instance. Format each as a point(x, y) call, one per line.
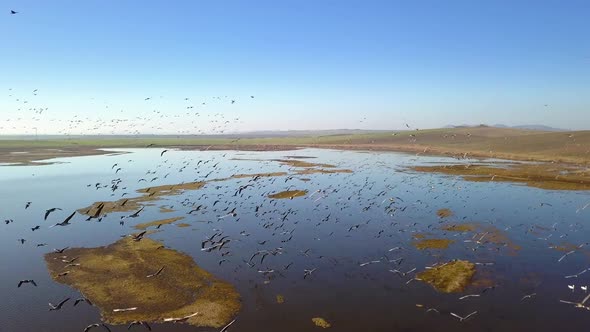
point(524, 127)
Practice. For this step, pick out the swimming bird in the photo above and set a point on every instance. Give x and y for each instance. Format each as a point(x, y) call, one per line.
point(27, 281)
point(53, 307)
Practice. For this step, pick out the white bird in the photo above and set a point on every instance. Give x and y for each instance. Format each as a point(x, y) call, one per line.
point(461, 319)
point(467, 296)
point(584, 288)
point(580, 304)
point(572, 287)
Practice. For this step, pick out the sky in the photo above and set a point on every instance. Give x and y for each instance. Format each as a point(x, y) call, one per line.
point(81, 67)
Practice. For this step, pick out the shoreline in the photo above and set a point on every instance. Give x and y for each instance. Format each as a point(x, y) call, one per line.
point(36, 156)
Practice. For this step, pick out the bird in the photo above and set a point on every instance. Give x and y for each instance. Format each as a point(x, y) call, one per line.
point(307, 273)
point(136, 214)
point(27, 205)
point(161, 154)
point(468, 296)
point(12, 12)
point(227, 326)
point(91, 326)
point(139, 323)
point(60, 251)
point(48, 212)
point(66, 221)
point(83, 299)
point(27, 281)
point(157, 273)
point(53, 307)
point(461, 319)
point(182, 319)
point(529, 296)
point(579, 304)
point(139, 236)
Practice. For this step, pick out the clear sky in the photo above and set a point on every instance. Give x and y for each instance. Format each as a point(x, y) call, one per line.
point(310, 64)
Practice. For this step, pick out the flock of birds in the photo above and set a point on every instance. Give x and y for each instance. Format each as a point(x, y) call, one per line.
point(28, 113)
point(273, 224)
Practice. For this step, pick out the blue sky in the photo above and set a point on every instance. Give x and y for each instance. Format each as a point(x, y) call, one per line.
point(311, 64)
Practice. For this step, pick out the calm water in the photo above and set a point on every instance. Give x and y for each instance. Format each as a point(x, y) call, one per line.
point(350, 296)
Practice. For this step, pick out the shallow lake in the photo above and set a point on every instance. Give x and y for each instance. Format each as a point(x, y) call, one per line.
point(347, 228)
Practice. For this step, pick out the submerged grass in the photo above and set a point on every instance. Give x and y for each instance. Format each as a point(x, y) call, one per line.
point(288, 194)
point(451, 277)
point(422, 244)
point(543, 176)
point(115, 277)
point(157, 223)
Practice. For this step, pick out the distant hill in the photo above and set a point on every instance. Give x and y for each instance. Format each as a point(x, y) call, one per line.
point(523, 127)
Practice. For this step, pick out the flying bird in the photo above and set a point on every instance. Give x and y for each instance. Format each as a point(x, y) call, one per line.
point(53, 307)
point(157, 273)
point(139, 323)
point(28, 281)
point(48, 212)
point(91, 326)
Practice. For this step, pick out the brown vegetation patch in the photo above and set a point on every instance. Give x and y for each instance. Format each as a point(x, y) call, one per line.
point(432, 244)
point(288, 194)
point(115, 277)
point(444, 213)
point(157, 223)
point(451, 277)
point(543, 176)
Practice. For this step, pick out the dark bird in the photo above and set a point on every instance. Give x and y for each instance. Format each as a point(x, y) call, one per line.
point(91, 326)
point(27, 205)
point(60, 251)
point(140, 323)
point(35, 228)
point(48, 212)
point(82, 299)
point(157, 273)
point(66, 221)
point(12, 12)
point(28, 281)
point(97, 213)
point(161, 154)
point(136, 214)
point(53, 307)
point(138, 237)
